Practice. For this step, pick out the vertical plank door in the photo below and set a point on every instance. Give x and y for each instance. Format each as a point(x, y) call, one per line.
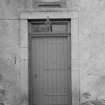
point(50, 73)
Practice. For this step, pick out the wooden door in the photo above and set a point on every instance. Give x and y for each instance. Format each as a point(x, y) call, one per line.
point(50, 75)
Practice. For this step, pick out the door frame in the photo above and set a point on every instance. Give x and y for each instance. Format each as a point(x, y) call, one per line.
point(24, 47)
point(47, 35)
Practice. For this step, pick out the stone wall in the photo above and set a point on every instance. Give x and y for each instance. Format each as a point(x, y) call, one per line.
point(91, 46)
point(10, 92)
point(92, 51)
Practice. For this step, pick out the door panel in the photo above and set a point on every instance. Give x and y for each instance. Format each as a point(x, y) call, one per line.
point(50, 71)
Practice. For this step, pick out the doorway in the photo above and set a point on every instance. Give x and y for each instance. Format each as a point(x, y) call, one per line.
point(50, 62)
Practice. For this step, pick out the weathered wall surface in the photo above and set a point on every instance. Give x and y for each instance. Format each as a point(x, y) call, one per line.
point(92, 50)
point(10, 92)
point(91, 43)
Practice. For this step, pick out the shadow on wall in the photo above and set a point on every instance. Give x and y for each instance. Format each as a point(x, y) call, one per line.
point(90, 101)
point(19, 100)
point(2, 96)
point(10, 95)
point(94, 102)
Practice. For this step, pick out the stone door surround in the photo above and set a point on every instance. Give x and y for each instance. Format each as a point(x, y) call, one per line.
point(75, 69)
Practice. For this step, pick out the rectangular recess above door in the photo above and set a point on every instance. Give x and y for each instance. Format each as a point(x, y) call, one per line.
point(45, 27)
point(49, 3)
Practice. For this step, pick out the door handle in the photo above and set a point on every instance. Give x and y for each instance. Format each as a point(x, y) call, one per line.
point(35, 76)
